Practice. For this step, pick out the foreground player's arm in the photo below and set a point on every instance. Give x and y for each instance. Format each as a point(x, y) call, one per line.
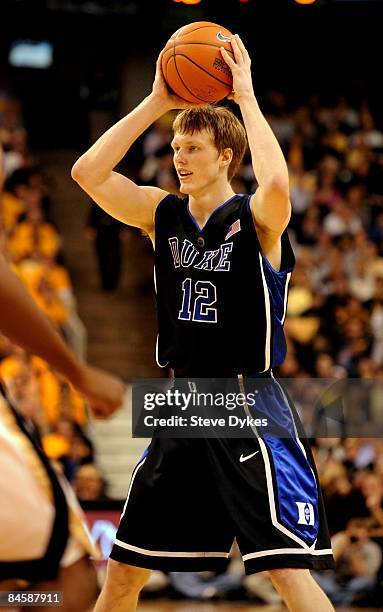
point(94, 171)
point(23, 323)
point(270, 204)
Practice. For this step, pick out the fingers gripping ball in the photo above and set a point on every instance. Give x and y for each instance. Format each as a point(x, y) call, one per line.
point(193, 66)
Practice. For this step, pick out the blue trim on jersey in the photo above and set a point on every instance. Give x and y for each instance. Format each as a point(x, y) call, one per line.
point(200, 229)
point(276, 283)
point(164, 198)
point(285, 270)
point(144, 454)
point(168, 195)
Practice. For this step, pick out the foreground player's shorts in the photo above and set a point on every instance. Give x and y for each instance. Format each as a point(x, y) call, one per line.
point(190, 498)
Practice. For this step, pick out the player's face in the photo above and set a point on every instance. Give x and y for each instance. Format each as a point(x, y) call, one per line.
point(196, 161)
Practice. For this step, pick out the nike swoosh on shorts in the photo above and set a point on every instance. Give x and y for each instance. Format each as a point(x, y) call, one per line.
point(242, 458)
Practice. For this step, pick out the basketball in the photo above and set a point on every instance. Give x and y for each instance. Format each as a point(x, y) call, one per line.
point(192, 63)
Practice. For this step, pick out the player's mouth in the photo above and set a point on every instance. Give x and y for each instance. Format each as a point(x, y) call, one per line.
point(183, 175)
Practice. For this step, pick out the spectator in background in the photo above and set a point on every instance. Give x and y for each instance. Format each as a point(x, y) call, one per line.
point(231, 583)
point(27, 184)
point(46, 272)
point(309, 227)
point(327, 193)
point(302, 183)
point(205, 586)
point(362, 281)
point(280, 119)
point(80, 452)
point(11, 210)
point(158, 170)
point(57, 443)
point(324, 366)
point(340, 501)
point(375, 308)
point(33, 244)
point(347, 116)
point(356, 345)
point(49, 302)
point(16, 154)
point(33, 236)
point(341, 220)
point(357, 559)
point(159, 135)
point(368, 135)
point(12, 370)
point(105, 232)
point(89, 484)
point(371, 486)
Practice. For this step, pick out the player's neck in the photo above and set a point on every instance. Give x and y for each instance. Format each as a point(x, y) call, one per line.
point(203, 203)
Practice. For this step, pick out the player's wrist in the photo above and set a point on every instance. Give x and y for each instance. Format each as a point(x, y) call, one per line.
point(74, 371)
point(162, 104)
point(245, 96)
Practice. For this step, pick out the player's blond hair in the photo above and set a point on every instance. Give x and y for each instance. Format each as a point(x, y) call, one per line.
point(226, 129)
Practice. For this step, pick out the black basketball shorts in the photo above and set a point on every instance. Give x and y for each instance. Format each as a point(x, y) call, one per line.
point(190, 498)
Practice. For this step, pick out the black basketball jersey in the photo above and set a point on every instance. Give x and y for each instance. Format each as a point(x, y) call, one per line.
point(220, 304)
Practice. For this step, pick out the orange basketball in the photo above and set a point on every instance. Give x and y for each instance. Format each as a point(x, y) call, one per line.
point(192, 64)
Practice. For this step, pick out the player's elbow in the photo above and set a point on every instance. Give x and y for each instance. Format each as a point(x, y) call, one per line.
point(277, 194)
point(276, 210)
point(277, 187)
point(84, 173)
point(78, 171)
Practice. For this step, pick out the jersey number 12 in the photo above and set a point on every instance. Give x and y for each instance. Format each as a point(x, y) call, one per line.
point(197, 301)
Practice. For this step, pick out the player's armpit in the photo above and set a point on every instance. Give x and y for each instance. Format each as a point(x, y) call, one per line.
point(271, 208)
point(124, 200)
point(271, 245)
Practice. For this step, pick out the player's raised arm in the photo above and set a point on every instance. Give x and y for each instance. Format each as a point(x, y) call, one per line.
point(94, 171)
point(270, 204)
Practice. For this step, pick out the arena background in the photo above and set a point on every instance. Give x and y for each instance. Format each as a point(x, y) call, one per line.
point(316, 72)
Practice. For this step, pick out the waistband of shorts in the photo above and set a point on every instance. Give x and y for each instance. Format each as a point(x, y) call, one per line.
point(195, 375)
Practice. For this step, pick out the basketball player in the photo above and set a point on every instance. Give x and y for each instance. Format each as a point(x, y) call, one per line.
point(223, 262)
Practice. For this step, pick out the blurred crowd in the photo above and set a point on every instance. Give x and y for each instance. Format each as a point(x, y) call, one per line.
point(32, 244)
point(334, 326)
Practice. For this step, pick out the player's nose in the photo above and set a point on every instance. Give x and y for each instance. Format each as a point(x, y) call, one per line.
point(181, 158)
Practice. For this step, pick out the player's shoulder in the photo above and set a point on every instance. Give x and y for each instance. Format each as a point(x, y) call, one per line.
point(156, 197)
point(155, 194)
point(170, 201)
point(243, 201)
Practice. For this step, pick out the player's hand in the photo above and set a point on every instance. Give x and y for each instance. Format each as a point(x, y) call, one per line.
point(240, 69)
point(104, 391)
point(162, 92)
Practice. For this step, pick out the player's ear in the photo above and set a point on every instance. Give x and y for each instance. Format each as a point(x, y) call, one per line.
point(226, 156)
